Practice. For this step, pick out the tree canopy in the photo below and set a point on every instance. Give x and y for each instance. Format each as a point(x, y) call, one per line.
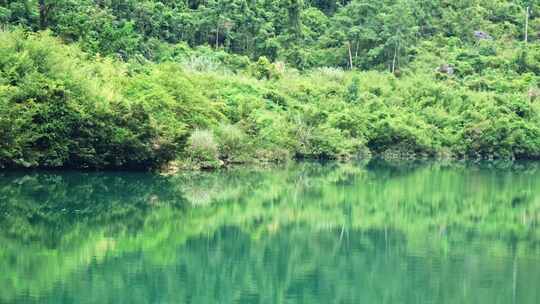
point(378, 34)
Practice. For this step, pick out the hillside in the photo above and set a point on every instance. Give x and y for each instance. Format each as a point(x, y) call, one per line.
point(202, 84)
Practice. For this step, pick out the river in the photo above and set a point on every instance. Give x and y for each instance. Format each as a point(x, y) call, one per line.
point(372, 232)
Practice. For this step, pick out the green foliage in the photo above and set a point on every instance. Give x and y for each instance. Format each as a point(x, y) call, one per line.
point(264, 69)
point(353, 90)
point(60, 110)
point(202, 150)
point(137, 78)
point(58, 113)
point(234, 146)
point(379, 35)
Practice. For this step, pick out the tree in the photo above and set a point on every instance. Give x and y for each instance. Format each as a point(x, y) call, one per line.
point(399, 30)
point(294, 8)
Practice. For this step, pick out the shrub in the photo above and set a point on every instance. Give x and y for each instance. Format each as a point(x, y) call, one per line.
point(353, 90)
point(404, 135)
point(273, 155)
point(58, 110)
point(61, 108)
point(233, 144)
point(202, 150)
point(325, 142)
point(200, 64)
point(331, 73)
point(264, 69)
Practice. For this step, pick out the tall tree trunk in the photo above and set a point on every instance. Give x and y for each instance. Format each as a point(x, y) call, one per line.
point(395, 58)
point(350, 55)
point(43, 23)
point(356, 50)
point(527, 24)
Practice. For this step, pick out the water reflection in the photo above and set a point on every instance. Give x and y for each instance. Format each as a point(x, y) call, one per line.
point(307, 233)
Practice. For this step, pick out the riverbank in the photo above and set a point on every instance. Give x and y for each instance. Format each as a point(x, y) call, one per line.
point(63, 108)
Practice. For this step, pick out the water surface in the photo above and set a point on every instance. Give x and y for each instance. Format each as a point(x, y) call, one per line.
point(304, 233)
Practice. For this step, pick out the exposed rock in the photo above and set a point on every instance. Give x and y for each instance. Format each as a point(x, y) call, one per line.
point(446, 69)
point(480, 35)
point(533, 94)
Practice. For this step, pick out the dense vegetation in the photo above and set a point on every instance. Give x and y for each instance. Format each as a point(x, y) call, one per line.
point(154, 84)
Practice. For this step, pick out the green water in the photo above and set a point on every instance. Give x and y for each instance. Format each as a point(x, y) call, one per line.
point(305, 233)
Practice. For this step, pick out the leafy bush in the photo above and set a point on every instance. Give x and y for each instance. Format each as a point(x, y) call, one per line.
point(264, 69)
point(56, 111)
point(60, 107)
point(233, 144)
point(202, 150)
point(500, 131)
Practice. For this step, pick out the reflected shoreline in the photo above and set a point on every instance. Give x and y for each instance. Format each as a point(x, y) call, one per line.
point(55, 226)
